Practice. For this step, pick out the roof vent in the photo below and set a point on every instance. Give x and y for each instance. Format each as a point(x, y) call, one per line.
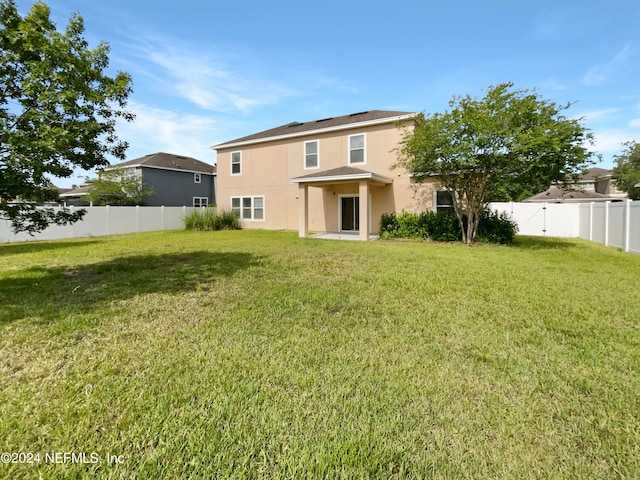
point(295, 124)
point(359, 113)
point(324, 120)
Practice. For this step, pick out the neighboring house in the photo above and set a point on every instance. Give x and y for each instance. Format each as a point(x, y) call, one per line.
point(601, 181)
point(176, 181)
point(74, 196)
point(595, 185)
point(328, 175)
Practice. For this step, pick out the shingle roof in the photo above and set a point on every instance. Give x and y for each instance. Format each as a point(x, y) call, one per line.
point(595, 174)
point(336, 172)
point(73, 192)
point(557, 194)
point(169, 161)
point(298, 128)
point(341, 173)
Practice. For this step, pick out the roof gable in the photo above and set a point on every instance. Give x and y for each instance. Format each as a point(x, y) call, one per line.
point(298, 128)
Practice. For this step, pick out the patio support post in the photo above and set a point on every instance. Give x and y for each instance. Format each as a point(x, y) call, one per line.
point(303, 210)
point(364, 210)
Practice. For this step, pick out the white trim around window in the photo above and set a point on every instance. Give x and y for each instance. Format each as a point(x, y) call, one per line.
point(251, 208)
point(357, 149)
point(197, 178)
point(236, 163)
point(199, 202)
point(312, 154)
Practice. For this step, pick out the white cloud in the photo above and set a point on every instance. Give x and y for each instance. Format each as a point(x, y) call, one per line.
point(553, 84)
point(594, 115)
point(610, 141)
point(158, 130)
point(603, 72)
point(208, 82)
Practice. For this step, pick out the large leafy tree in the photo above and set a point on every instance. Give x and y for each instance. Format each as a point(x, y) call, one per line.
point(117, 187)
point(627, 170)
point(58, 111)
point(508, 138)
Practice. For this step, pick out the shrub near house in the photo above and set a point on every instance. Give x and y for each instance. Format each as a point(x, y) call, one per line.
point(209, 219)
point(443, 226)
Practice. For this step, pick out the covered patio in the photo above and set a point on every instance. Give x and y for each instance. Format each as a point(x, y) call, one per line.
point(354, 210)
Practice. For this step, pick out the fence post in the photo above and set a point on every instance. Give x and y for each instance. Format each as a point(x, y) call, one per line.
point(606, 224)
point(73, 225)
point(162, 217)
point(591, 221)
point(106, 209)
point(137, 218)
point(627, 225)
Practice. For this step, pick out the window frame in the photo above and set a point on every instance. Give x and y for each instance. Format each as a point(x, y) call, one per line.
point(232, 163)
point(199, 200)
point(363, 148)
point(438, 207)
point(242, 207)
point(197, 178)
point(317, 154)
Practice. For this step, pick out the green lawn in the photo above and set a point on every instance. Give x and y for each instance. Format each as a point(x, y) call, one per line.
point(252, 354)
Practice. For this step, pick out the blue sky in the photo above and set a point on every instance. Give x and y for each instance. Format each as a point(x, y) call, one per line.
point(206, 72)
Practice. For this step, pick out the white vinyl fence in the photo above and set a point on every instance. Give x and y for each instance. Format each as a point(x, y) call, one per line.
point(106, 221)
point(615, 224)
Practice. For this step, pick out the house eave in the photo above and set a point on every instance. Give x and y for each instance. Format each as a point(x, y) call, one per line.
point(349, 126)
point(71, 194)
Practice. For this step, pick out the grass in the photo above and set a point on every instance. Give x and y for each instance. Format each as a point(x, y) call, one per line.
point(249, 354)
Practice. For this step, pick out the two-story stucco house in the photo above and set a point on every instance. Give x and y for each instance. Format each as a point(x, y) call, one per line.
point(328, 175)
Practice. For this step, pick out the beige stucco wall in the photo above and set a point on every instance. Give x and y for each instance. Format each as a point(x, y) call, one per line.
point(268, 167)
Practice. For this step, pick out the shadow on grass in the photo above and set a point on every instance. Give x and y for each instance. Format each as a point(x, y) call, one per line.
point(49, 294)
point(543, 243)
point(42, 246)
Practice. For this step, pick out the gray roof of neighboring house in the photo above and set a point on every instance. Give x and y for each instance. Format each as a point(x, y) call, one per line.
point(331, 122)
point(558, 194)
point(595, 174)
point(74, 192)
point(168, 161)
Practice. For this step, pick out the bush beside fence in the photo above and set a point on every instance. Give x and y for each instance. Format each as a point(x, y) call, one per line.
point(210, 219)
point(494, 227)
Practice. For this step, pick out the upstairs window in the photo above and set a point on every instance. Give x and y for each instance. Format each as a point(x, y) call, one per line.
point(311, 154)
point(357, 149)
point(197, 178)
point(236, 163)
